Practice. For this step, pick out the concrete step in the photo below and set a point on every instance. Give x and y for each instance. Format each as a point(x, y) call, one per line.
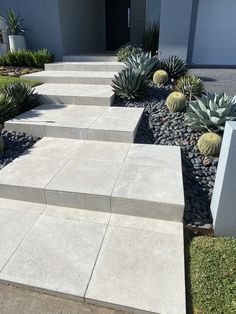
point(91, 58)
point(106, 263)
point(72, 77)
point(85, 66)
point(76, 94)
point(131, 179)
point(79, 122)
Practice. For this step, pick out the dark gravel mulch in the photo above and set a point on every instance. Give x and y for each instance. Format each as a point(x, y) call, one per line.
point(15, 145)
point(161, 127)
point(16, 71)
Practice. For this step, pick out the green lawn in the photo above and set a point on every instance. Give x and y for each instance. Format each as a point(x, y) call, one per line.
point(7, 80)
point(211, 274)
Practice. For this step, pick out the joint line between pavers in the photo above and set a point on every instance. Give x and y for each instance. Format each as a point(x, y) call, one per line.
point(100, 248)
point(97, 118)
point(29, 230)
point(44, 190)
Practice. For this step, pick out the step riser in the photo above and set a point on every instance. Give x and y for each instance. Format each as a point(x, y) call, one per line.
point(93, 202)
point(72, 80)
point(76, 100)
point(71, 133)
point(81, 67)
point(90, 58)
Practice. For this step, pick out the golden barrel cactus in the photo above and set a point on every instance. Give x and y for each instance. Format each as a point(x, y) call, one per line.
point(209, 144)
point(160, 78)
point(176, 102)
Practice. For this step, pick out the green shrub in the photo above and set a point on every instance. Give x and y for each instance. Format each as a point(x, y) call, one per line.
point(7, 109)
point(126, 51)
point(130, 84)
point(150, 40)
point(175, 67)
point(41, 57)
point(209, 144)
point(191, 86)
point(21, 94)
point(14, 23)
point(210, 112)
point(143, 62)
point(27, 58)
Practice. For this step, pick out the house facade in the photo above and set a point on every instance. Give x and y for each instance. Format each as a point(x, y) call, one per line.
point(200, 31)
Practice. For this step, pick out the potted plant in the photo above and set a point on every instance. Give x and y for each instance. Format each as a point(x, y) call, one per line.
point(15, 30)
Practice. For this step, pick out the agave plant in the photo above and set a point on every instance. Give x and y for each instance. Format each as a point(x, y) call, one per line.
point(21, 94)
point(130, 84)
point(175, 67)
point(7, 109)
point(211, 112)
point(14, 23)
point(191, 86)
point(144, 62)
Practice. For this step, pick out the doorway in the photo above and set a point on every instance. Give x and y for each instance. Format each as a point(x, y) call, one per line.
point(117, 23)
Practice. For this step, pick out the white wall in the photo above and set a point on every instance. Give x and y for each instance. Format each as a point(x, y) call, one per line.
point(82, 25)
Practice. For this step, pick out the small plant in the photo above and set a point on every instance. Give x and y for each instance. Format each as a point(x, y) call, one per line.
point(151, 38)
point(176, 102)
point(130, 84)
point(160, 78)
point(191, 86)
point(210, 112)
point(7, 109)
point(21, 94)
point(126, 51)
point(143, 62)
point(175, 67)
point(209, 144)
point(41, 57)
point(14, 23)
point(1, 146)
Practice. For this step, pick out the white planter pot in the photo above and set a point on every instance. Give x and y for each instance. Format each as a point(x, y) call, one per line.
point(17, 42)
point(3, 49)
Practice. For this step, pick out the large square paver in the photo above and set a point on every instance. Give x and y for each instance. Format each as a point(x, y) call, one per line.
point(84, 184)
point(57, 255)
point(25, 178)
point(140, 271)
point(14, 227)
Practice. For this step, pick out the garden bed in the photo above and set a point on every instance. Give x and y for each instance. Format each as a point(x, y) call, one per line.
point(15, 145)
point(161, 127)
point(16, 71)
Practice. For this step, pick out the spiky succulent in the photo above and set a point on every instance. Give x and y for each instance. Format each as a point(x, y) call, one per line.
point(125, 52)
point(1, 146)
point(191, 86)
point(209, 144)
point(7, 109)
point(21, 94)
point(130, 84)
point(176, 102)
point(175, 67)
point(210, 112)
point(160, 78)
point(144, 62)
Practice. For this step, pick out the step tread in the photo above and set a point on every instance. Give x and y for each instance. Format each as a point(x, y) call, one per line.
point(85, 74)
point(122, 178)
point(81, 122)
point(77, 254)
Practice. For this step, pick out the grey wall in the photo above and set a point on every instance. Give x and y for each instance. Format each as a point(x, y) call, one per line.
point(138, 21)
point(42, 20)
point(175, 25)
point(153, 11)
point(82, 25)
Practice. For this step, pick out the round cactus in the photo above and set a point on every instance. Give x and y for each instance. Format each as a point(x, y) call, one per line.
point(209, 144)
point(1, 146)
point(160, 77)
point(176, 102)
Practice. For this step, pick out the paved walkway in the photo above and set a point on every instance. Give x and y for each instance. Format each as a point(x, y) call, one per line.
point(87, 215)
point(218, 80)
